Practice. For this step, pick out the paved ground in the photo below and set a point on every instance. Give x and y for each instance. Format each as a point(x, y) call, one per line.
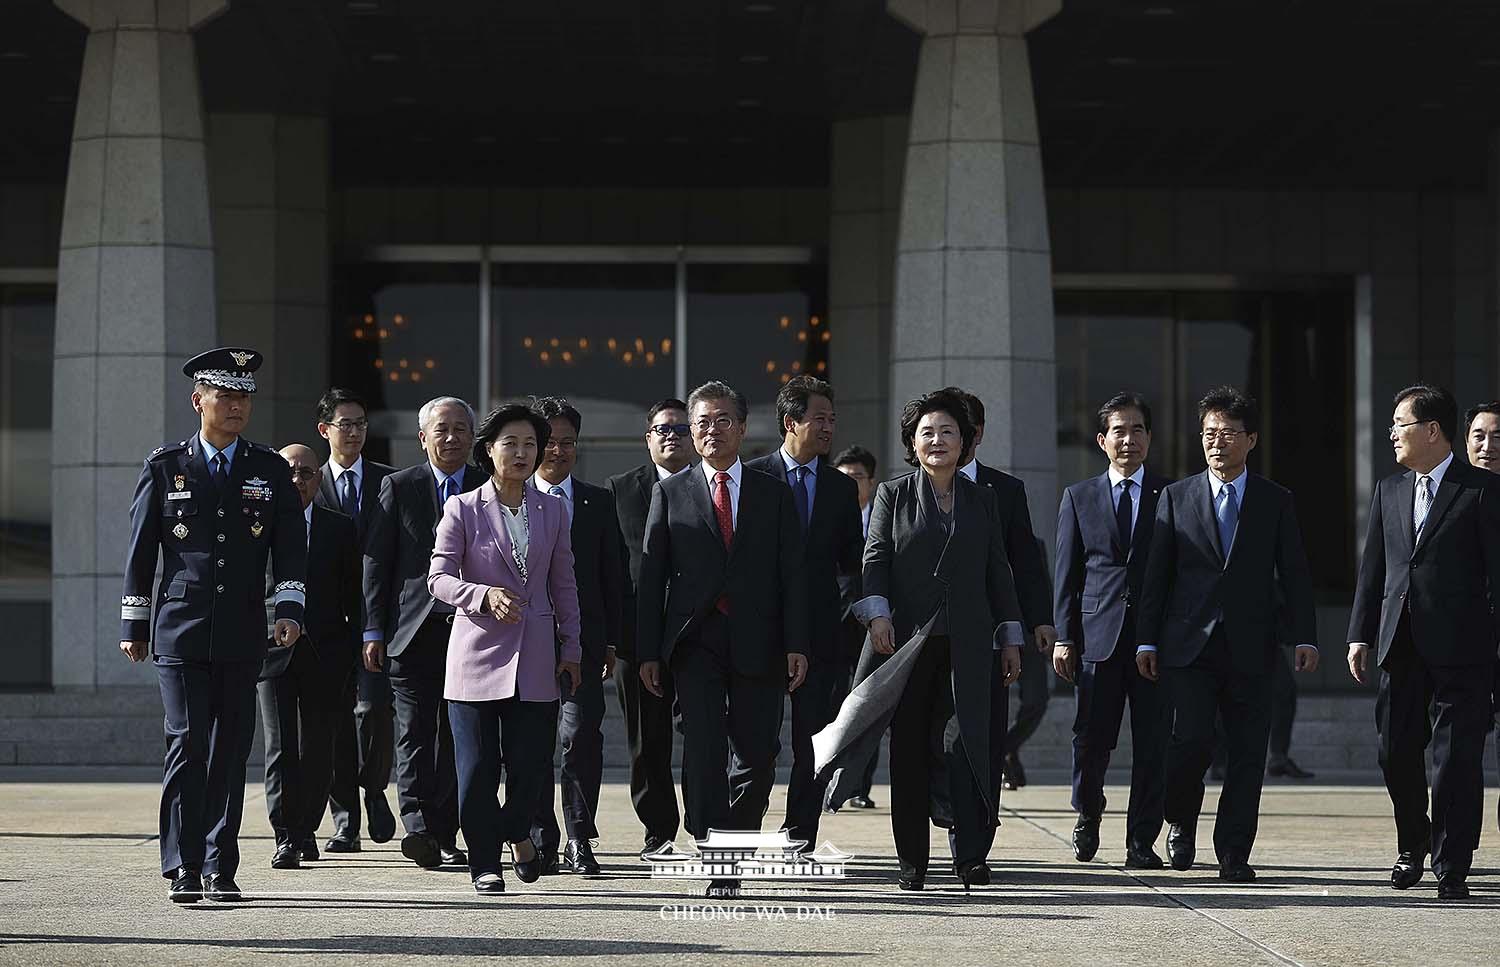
point(78, 884)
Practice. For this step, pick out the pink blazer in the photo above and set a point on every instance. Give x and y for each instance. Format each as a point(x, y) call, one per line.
point(488, 659)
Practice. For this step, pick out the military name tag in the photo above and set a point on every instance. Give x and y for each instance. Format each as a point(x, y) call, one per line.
point(257, 529)
point(180, 531)
point(256, 488)
point(180, 495)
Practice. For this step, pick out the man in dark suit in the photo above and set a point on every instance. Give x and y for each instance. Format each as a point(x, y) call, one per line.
point(1425, 601)
point(648, 718)
point(1028, 564)
point(1103, 538)
point(364, 742)
point(595, 532)
point(722, 601)
point(859, 465)
point(827, 504)
point(1483, 422)
point(406, 631)
point(1226, 557)
point(212, 508)
point(301, 687)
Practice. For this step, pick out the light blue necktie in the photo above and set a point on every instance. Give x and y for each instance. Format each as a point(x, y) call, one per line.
point(562, 495)
point(1229, 517)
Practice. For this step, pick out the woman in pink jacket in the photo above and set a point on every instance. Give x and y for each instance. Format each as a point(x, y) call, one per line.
point(503, 559)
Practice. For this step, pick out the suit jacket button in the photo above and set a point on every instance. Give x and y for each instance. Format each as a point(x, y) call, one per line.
point(221, 589)
point(221, 562)
point(221, 538)
point(221, 511)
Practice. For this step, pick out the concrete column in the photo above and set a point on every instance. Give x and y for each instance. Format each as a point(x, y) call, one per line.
point(973, 264)
point(865, 200)
point(135, 297)
point(269, 177)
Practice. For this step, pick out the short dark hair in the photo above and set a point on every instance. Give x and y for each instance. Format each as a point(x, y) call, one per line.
point(974, 404)
point(335, 397)
point(793, 397)
point(716, 389)
point(1124, 401)
point(856, 455)
point(551, 407)
point(1233, 404)
point(670, 403)
point(489, 432)
point(938, 401)
point(1493, 406)
point(1432, 404)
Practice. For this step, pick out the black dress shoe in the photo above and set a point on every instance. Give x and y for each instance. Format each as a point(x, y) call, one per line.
point(547, 862)
point(378, 818)
point(1015, 773)
point(287, 857)
point(976, 873)
point(1142, 858)
point(310, 850)
point(453, 856)
point(860, 802)
point(1236, 871)
point(1408, 870)
point(911, 882)
point(578, 857)
point(528, 870)
point(722, 889)
point(422, 850)
point(221, 888)
point(187, 887)
point(1451, 886)
point(1287, 769)
point(653, 843)
point(1182, 845)
point(342, 842)
point(489, 884)
point(1085, 838)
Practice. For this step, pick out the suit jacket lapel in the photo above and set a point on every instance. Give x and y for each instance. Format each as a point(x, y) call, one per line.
point(1145, 510)
point(819, 510)
point(1406, 490)
point(1203, 510)
point(325, 487)
point(491, 512)
point(1441, 501)
point(703, 498)
point(1104, 497)
point(1250, 507)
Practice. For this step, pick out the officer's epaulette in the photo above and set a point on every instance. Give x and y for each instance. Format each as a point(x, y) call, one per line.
point(261, 447)
point(167, 448)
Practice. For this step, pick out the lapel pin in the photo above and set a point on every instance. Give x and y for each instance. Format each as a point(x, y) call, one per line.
point(180, 531)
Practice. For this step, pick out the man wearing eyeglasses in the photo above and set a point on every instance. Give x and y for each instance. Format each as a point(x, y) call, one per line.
point(1424, 601)
point(648, 718)
point(1226, 561)
point(1483, 422)
point(364, 744)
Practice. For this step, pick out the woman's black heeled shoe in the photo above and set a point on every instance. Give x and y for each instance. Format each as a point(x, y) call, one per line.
point(973, 874)
point(527, 871)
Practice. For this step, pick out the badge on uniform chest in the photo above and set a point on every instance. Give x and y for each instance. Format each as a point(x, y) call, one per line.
point(179, 482)
point(257, 529)
point(180, 531)
point(256, 488)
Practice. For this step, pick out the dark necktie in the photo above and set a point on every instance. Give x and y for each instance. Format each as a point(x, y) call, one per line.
point(448, 489)
point(221, 470)
point(1122, 516)
point(725, 516)
point(801, 499)
point(1229, 518)
point(349, 500)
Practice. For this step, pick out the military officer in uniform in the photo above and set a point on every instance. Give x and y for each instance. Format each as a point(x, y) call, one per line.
point(213, 507)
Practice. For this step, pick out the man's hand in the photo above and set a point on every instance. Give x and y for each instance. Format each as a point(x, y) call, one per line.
point(1065, 663)
point(287, 632)
point(505, 604)
point(571, 669)
point(374, 655)
point(1359, 658)
point(796, 670)
point(135, 650)
point(1010, 663)
point(883, 636)
point(609, 663)
point(1145, 663)
point(1306, 659)
point(651, 677)
point(1046, 637)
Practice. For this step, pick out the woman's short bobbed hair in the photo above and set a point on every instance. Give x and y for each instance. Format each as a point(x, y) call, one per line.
point(938, 401)
point(498, 418)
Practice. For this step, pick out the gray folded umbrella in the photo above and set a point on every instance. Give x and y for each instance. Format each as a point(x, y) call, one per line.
point(843, 749)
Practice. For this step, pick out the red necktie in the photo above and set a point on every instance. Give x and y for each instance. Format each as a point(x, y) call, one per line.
point(726, 524)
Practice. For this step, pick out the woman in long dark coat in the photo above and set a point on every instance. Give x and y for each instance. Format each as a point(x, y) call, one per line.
point(936, 555)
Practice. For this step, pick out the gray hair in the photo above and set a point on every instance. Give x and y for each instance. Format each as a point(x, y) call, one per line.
point(716, 389)
point(437, 401)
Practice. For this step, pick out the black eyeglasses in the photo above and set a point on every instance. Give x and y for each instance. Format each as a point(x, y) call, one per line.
point(346, 426)
point(671, 429)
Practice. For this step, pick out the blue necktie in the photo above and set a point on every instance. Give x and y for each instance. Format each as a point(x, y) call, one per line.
point(221, 471)
point(799, 497)
point(1229, 518)
point(349, 502)
point(447, 490)
point(562, 495)
point(1123, 514)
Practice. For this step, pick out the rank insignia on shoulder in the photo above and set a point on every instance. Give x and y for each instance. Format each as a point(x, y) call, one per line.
point(257, 529)
point(180, 531)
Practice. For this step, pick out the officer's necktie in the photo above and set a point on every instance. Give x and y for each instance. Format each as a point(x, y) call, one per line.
point(349, 500)
point(1424, 504)
point(1229, 517)
point(800, 497)
point(221, 470)
point(562, 495)
point(1122, 516)
point(725, 515)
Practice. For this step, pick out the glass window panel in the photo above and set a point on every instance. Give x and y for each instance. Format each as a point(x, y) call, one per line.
point(403, 334)
point(26, 327)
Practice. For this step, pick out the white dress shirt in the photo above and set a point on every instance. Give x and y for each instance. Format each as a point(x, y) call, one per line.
point(307, 516)
point(864, 514)
point(662, 473)
point(971, 470)
point(734, 487)
point(1115, 491)
point(811, 479)
point(566, 487)
point(359, 477)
